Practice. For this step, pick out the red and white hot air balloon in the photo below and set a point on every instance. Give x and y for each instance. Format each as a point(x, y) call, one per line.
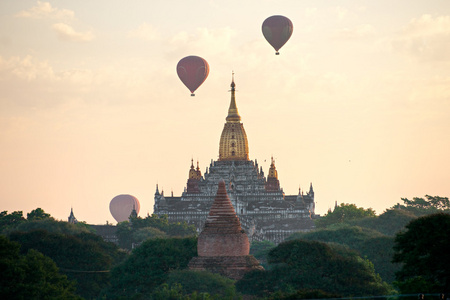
point(277, 30)
point(193, 71)
point(121, 207)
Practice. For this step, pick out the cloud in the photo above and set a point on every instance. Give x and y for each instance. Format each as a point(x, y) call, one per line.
point(66, 32)
point(361, 31)
point(426, 38)
point(144, 32)
point(25, 68)
point(44, 10)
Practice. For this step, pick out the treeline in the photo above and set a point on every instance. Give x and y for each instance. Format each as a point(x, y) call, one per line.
point(133, 232)
point(352, 253)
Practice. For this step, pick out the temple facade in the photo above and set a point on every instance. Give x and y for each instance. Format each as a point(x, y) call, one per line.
point(265, 212)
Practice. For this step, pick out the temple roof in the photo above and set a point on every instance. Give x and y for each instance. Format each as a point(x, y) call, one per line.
point(233, 141)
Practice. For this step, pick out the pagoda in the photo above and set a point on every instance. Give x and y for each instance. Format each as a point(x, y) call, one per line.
point(223, 246)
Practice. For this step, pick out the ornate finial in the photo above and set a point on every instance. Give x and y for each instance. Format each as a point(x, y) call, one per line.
point(233, 114)
point(232, 81)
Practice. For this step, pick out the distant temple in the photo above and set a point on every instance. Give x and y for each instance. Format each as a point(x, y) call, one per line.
point(223, 247)
point(265, 212)
point(72, 218)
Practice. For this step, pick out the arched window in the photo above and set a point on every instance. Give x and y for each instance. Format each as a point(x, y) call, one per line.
point(232, 153)
point(233, 144)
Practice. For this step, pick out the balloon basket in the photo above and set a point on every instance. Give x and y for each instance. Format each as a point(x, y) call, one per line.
point(277, 53)
point(192, 95)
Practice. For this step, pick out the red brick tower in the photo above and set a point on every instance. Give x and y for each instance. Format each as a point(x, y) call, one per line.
point(223, 245)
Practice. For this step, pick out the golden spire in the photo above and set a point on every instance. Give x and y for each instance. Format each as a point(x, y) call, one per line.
point(233, 141)
point(233, 114)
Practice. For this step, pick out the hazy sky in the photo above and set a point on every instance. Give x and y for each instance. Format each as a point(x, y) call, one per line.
point(358, 101)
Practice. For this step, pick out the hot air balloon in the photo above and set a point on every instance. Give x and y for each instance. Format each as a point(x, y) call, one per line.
point(192, 71)
point(121, 207)
point(277, 30)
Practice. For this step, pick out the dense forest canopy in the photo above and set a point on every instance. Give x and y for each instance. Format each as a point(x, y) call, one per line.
point(353, 252)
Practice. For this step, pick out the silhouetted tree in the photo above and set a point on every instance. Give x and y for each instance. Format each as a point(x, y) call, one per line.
point(38, 214)
point(138, 229)
point(30, 276)
point(367, 242)
point(202, 282)
point(312, 265)
point(343, 214)
point(10, 221)
point(423, 249)
point(148, 266)
point(83, 257)
point(425, 206)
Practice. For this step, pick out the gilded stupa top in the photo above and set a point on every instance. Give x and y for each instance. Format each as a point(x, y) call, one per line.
point(233, 141)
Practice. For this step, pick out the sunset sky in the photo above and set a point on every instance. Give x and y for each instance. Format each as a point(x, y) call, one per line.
point(358, 101)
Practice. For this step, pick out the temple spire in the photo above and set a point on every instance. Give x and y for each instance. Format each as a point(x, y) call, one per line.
point(233, 114)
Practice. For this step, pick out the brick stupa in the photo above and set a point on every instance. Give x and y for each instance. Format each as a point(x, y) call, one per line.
point(223, 245)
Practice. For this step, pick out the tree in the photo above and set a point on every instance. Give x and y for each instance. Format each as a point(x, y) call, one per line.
point(202, 282)
point(367, 242)
point(312, 265)
point(83, 257)
point(423, 251)
point(137, 229)
point(9, 221)
point(53, 226)
point(149, 265)
point(389, 223)
point(38, 214)
point(425, 206)
point(260, 251)
point(343, 214)
point(146, 233)
point(30, 276)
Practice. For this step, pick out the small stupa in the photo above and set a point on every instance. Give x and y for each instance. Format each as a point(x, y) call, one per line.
point(223, 245)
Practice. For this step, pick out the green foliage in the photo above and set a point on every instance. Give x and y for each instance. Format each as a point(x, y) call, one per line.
point(10, 221)
point(420, 206)
point(343, 214)
point(38, 214)
point(202, 282)
point(166, 292)
point(146, 233)
point(148, 266)
point(51, 225)
point(389, 223)
point(302, 294)
point(137, 230)
point(300, 264)
point(368, 243)
point(38, 219)
point(260, 250)
point(30, 276)
point(79, 256)
point(423, 249)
